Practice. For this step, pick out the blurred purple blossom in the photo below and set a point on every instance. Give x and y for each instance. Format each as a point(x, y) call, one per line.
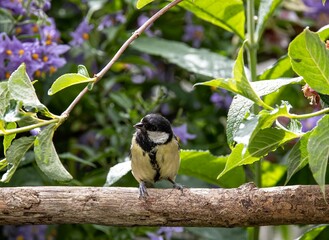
point(310, 123)
point(19, 7)
point(81, 34)
point(28, 232)
point(39, 57)
point(192, 33)
point(221, 100)
point(164, 233)
point(316, 8)
point(182, 134)
point(111, 20)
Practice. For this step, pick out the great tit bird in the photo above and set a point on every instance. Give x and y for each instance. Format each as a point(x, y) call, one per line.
point(154, 153)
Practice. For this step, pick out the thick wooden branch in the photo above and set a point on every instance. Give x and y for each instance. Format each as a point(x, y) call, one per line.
point(244, 206)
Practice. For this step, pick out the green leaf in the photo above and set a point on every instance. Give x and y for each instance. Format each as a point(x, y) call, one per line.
point(240, 105)
point(46, 155)
point(83, 71)
point(15, 154)
point(310, 59)
point(8, 138)
point(265, 141)
point(68, 80)
point(318, 150)
point(266, 9)
point(282, 68)
point(238, 84)
point(200, 61)
point(116, 172)
point(298, 156)
point(21, 88)
point(205, 166)
point(4, 97)
point(141, 3)
point(313, 232)
point(225, 14)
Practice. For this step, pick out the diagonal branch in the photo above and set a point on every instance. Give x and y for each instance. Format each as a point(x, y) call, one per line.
point(134, 36)
point(244, 206)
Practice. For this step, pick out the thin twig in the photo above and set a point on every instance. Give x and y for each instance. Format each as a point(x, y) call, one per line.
point(134, 36)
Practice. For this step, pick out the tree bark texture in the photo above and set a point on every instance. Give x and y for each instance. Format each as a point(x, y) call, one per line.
point(243, 206)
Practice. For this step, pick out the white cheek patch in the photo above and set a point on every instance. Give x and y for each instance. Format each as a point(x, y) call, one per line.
point(158, 137)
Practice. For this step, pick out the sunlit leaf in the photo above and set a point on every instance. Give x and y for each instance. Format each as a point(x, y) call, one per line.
point(272, 173)
point(229, 15)
point(8, 138)
point(141, 3)
point(310, 59)
point(282, 68)
point(4, 97)
point(21, 89)
point(241, 105)
point(68, 80)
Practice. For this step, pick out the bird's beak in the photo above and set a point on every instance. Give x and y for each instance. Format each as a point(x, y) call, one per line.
point(139, 125)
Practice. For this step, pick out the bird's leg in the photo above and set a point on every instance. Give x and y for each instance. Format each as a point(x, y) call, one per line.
point(142, 190)
point(176, 185)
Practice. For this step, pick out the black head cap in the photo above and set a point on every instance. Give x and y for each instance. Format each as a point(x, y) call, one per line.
point(154, 122)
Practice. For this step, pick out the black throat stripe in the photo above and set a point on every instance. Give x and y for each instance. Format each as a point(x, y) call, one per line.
point(155, 166)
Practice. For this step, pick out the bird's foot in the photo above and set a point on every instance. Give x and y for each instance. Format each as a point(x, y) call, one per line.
point(142, 191)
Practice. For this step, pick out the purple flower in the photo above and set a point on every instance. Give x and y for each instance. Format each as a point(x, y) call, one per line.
point(182, 134)
point(164, 232)
point(28, 232)
point(19, 7)
point(81, 34)
point(221, 100)
point(49, 33)
point(316, 8)
point(310, 123)
point(192, 33)
point(111, 20)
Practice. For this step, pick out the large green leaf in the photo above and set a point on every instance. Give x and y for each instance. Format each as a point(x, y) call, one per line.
point(15, 154)
point(200, 61)
point(205, 166)
point(68, 80)
point(225, 14)
point(298, 156)
point(7, 140)
point(318, 150)
point(46, 155)
point(238, 83)
point(266, 9)
point(21, 89)
point(265, 141)
point(141, 3)
point(240, 105)
point(310, 59)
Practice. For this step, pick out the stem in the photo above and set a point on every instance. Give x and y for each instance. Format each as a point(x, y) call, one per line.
point(28, 128)
point(134, 36)
point(309, 115)
point(252, 62)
